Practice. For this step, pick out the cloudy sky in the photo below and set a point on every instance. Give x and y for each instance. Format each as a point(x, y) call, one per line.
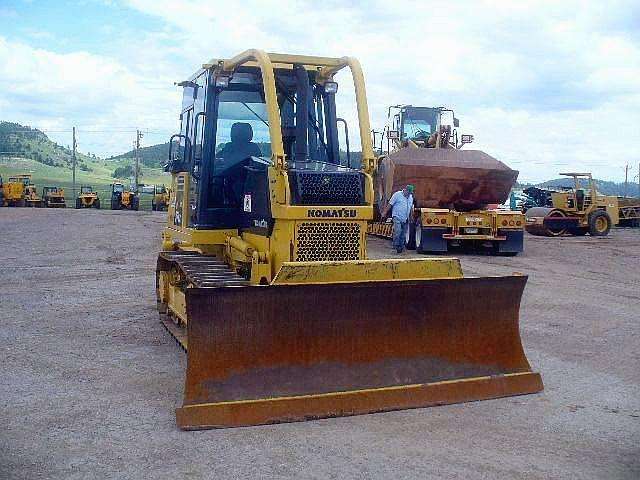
point(544, 86)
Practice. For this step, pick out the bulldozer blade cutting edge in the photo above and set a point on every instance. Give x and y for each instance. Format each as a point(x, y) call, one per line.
point(281, 353)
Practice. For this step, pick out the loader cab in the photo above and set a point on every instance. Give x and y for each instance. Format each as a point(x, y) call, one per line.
point(424, 127)
point(581, 196)
point(222, 154)
point(417, 123)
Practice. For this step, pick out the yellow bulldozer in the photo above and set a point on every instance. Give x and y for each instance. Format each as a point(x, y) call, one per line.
point(53, 197)
point(264, 279)
point(580, 210)
point(87, 198)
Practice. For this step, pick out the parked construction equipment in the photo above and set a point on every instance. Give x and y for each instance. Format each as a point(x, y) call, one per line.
point(264, 277)
point(1, 192)
point(124, 198)
point(454, 187)
point(53, 197)
point(31, 197)
point(15, 188)
point(160, 200)
point(87, 198)
point(579, 210)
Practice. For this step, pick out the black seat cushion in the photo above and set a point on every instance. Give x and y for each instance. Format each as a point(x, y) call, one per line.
point(240, 147)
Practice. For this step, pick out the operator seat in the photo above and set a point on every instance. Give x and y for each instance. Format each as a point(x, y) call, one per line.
point(240, 147)
point(229, 183)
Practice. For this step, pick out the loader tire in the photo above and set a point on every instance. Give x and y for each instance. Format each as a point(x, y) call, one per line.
point(135, 204)
point(599, 223)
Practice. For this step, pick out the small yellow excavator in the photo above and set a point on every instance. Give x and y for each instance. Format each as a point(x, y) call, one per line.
point(264, 280)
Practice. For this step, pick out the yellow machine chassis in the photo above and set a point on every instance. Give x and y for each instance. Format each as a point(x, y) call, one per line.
point(302, 339)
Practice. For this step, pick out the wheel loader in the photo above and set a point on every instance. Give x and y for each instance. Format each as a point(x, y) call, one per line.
point(580, 210)
point(124, 198)
point(53, 197)
point(264, 279)
point(454, 187)
point(87, 198)
point(160, 200)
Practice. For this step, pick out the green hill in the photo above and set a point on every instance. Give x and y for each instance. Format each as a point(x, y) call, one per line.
point(28, 150)
point(20, 141)
point(154, 156)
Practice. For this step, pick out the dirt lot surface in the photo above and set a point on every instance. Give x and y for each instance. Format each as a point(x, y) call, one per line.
point(90, 378)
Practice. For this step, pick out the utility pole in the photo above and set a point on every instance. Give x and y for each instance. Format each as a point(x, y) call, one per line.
point(138, 137)
point(74, 161)
point(626, 178)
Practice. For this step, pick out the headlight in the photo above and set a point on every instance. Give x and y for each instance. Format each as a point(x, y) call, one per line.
point(331, 87)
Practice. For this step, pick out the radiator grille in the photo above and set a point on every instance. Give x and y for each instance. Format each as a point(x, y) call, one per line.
point(327, 188)
point(327, 241)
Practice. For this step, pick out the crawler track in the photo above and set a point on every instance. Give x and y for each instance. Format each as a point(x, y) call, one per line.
point(199, 271)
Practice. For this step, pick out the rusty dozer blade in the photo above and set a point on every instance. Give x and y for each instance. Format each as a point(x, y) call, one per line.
point(280, 353)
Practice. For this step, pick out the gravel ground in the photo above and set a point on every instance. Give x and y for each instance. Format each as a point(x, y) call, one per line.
point(91, 379)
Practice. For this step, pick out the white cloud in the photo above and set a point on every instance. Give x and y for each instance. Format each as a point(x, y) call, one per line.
point(97, 94)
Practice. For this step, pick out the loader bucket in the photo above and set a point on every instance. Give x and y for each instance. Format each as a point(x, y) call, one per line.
point(280, 353)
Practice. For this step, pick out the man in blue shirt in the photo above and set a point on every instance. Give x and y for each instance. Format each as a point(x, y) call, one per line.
point(401, 206)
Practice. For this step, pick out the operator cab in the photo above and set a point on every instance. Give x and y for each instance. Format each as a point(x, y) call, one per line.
point(425, 127)
point(225, 144)
point(418, 123)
